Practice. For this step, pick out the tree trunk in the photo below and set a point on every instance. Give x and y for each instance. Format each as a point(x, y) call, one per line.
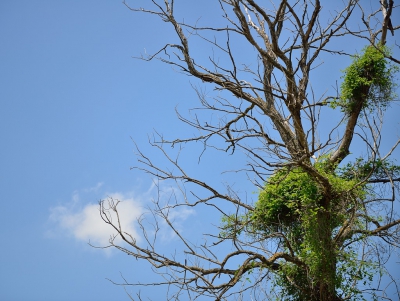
point(326, 268)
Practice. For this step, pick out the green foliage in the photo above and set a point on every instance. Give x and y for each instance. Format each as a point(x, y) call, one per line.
point(292, 203)
point(369, 79)
point(351, 269)
point(290, 278)
point(371, 169)
point(292, 197)
point(279, 204)
point(232, 225)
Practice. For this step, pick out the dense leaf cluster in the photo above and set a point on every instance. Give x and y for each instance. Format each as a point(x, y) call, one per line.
point(369, 76)
point(292, 196)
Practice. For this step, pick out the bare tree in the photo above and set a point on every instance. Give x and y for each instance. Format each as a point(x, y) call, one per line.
point(325, 220)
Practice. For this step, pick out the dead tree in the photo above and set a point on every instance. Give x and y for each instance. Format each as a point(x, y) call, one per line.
point(317, 246)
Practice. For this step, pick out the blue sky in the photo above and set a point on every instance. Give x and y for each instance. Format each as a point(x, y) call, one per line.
point(72, 100)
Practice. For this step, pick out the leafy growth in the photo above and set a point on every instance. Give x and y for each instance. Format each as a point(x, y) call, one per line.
point(368, 79)
point(291, 197)
point(370, 169)
point(291, 204)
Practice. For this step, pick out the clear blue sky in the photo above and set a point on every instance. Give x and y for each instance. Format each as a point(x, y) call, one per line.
point(71, 98)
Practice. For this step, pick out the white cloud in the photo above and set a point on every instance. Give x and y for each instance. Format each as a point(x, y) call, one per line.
point(82, 220)
point(84, 223)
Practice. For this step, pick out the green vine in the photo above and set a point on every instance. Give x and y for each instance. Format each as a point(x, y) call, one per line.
point(292, 197)
point(369, 77)
point(291, 203)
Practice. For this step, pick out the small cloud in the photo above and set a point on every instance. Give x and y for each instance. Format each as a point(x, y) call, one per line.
point(84, 223)
point(82, 220)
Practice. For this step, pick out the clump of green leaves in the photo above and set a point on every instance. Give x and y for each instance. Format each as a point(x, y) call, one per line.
point(291, 196)
point(291, 202)
point(285, 194)
point(369, 78)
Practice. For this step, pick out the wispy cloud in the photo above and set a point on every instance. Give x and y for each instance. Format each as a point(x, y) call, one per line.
point(83, 222)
